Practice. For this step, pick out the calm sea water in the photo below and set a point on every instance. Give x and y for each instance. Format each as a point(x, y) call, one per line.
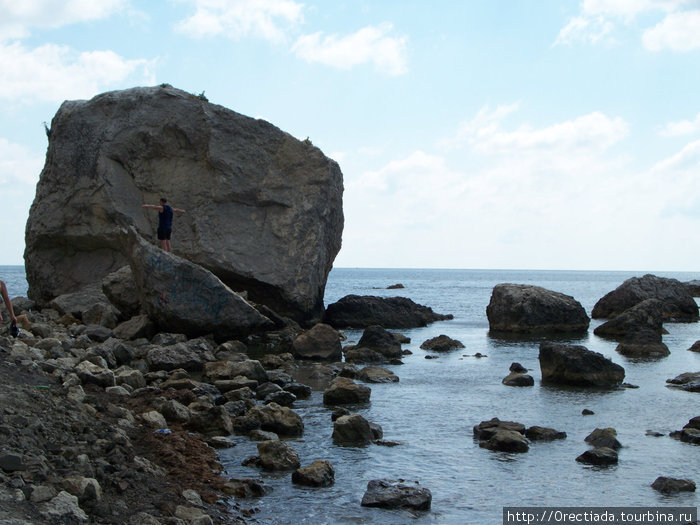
point(437, 402)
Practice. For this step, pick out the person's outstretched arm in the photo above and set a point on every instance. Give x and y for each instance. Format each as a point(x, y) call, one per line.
point(153, 206)
point(178, 210)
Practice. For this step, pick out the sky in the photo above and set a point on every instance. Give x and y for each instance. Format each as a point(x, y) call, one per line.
point(500, 134)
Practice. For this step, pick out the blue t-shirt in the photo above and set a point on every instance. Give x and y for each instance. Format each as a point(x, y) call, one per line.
point(165, 218)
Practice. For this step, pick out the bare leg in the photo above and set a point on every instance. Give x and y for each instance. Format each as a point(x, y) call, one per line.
point(164, 244)
point(8, 303)
point(168, 246)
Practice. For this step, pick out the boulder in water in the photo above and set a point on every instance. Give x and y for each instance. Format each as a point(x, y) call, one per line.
point(395, 494)
point(353, 311)
point(577, 366)
point(524, 308)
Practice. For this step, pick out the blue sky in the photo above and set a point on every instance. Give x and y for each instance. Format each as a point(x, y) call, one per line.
point(530, 134)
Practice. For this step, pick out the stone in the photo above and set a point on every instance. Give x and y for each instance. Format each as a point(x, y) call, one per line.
point(282, 398)
point(353, 311)
point(63, 508)
point(518, 379)
point(517, 368)
point(321, 342)
point(173, 357)
point(86, 489)
point(12, 462)
point(280, 420)
point(673, 485)
point(86, 298)
point(599, 456)
point(577, 366)
point(604, 437)
point(377, 374)
point(319, 474)
point(352, 430)
point(646, 315)
point(441, 343)
point(394, 494)
point(690, 435)
point(154, 419)
point(192, 515)
point(137, 326)
point(344, 391)
point(263, 210)
point(278, 455)
point(536, 433)
point(643, 344)
point(527, 309)
point(119, 287)
point(90, 373)
point(695, 347)
point(181, 296)
point(486, 429)
point(376, 345)
point(678, 303)
point(506, 441)
point(688, 381)
point(693, 287)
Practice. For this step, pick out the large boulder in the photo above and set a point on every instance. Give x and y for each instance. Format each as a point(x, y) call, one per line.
point(645, 315)
point(577, 366)
point(394, 494)
point(263, 210)
point(678, 303)
point(321, 342)
point(184, 297)
point(354, 311)
point(527, 308)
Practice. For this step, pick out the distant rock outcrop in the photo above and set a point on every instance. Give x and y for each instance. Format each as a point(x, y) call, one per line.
point(263, 209)
point(678, 303)
point(526, 308)
point(354, 311)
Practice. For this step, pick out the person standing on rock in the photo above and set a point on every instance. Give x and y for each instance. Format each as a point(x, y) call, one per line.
point(8, 305)
point(165, 222)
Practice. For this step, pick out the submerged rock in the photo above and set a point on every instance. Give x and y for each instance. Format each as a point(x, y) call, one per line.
point(646, 315)
point(673, 485)
point(577, 366)
point(441, 343)
point(688, 381)
point(320, 342)
point(352, 430)
point(319, 474)
point(526, 308)
point(643, 344)
point(677, 301)
point(599, 456)
point(394, 494)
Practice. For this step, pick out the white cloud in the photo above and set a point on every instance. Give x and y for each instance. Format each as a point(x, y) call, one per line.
point(597, 21)
point(19, 16)
point(367, 45)
point(678, 32)
point(55, 73)
point(683, 127)
point(18, 164)
point(266, 19)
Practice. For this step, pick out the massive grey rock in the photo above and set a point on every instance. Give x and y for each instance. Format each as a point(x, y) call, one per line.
point(184, 297)
point(526, 308)
point(677, 301)
point(394, 494)
point(263, 209)
point(576, 365)
point(322, 341)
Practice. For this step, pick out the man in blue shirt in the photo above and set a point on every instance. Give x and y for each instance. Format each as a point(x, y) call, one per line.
point(165, 222)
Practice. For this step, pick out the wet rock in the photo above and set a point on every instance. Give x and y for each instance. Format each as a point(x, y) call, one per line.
point(646, 315)
point(319, 474)
point(678, 303)
point(506, 441)
point(354, 311)
point(599, 456)
point(518, 379)
point(695, 347)
point(320, 342)
point(394, 494)
point(486, 429)
point(352, 430)
point(690, 435)
point(12, 462)
point(266, 389)
point(441, 343)
point(643, 344)
point(344, 391)
point(577, 366)
point(517, 368)
point(587, 412)
point(299, 390)
point(536, 433)
point(528, 309)
point(673, 485)
point(603, 437)
point(377, 374)
point(282, 398)
point(375, 345)
point(280, 420)
point(243, 488)
point(688, 381)
point(278, 455)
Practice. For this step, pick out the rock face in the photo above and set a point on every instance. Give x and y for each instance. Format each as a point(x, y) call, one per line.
point(677, 301)
point(354, 311)
point(263, 209)
point(183, 297)
point(525, 308)
point(577, 366)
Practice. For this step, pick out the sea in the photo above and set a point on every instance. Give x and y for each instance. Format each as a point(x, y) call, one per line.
point(433, 408)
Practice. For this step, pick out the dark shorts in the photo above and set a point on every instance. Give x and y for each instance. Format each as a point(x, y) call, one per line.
point(163, 234)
